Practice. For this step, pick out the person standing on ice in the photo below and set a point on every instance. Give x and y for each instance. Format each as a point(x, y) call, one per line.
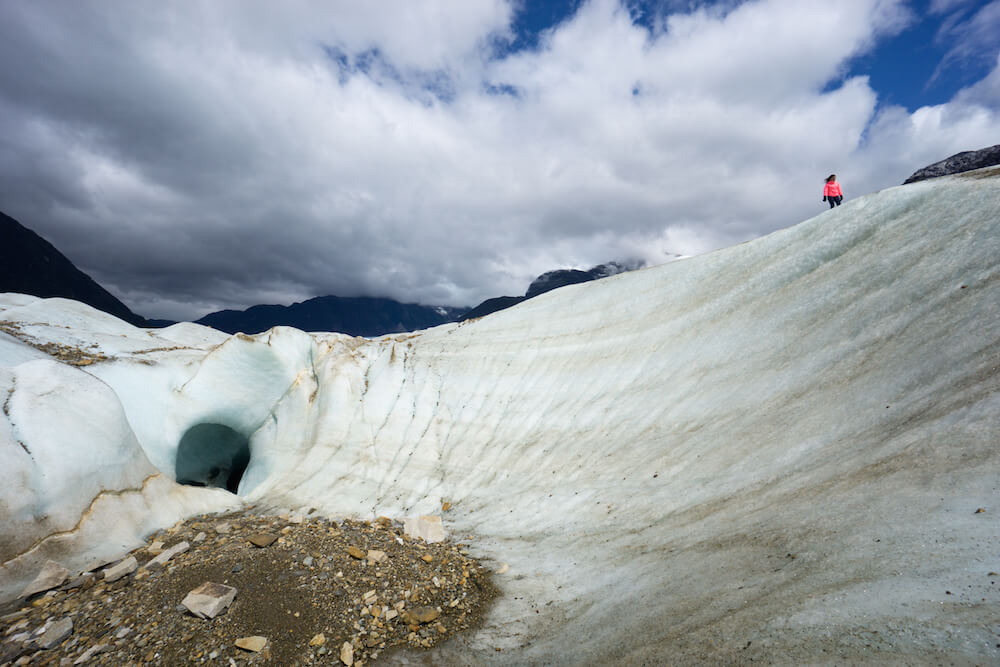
point(831, 191)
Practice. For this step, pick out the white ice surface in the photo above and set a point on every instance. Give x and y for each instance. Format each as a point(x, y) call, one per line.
point(774, 451)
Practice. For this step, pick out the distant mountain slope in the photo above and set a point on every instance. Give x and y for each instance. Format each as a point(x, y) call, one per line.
point(958, 163)
point(549, 281)
point(492, 306)
point(355, 316)
point(370, 316)
point(31, 265)
point(561, 277)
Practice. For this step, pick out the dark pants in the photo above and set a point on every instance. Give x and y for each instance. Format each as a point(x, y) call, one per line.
point(835, 201)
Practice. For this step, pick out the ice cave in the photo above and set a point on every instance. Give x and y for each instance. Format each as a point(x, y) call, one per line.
point(212, 455)
point(783, 451)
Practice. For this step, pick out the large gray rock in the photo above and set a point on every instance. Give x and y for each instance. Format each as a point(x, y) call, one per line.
point(125, 567)
point(209, 599)
point(161, 559)
point(957, 163)
point(53, 574)
point(55, 633)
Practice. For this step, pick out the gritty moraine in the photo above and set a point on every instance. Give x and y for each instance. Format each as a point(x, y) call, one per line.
point(321, 591)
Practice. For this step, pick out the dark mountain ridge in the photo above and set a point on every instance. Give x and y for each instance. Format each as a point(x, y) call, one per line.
point(958, 163)
point(355, 316)
point(549, 281)
point(31, 265)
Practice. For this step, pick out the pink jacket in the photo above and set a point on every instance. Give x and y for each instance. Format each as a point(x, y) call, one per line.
point(832, 189)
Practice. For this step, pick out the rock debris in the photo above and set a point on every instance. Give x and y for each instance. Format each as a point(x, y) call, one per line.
point(320, 592)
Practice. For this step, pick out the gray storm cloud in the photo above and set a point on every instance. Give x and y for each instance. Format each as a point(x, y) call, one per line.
point(199, 156)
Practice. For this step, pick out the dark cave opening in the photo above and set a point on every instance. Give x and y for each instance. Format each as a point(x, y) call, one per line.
point(212, 455)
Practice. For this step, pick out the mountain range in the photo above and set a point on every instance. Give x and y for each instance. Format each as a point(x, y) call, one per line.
point(549, 281)
point(355, 316)
point(31, 265)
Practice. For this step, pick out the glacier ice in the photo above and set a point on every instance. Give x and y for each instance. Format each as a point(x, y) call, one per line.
point(776, 449)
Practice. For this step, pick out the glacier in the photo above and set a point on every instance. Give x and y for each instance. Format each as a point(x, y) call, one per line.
point(785, 450)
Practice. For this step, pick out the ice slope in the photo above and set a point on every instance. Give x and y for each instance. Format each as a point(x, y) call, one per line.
point(775, 451)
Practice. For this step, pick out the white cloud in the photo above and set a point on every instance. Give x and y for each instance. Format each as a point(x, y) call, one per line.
point(974, 37)
point(945, 6)
point(223, 158)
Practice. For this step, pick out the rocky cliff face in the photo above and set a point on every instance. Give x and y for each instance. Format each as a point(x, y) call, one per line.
point(957, 163)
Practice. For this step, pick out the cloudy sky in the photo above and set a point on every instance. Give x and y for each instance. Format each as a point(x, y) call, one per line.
point(199, 155)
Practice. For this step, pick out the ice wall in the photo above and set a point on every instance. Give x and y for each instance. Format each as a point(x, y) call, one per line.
point(775, 451)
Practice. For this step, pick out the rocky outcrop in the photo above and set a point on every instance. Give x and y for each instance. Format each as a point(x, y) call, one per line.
point(957, 163)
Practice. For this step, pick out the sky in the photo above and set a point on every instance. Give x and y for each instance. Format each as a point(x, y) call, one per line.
point(208, 154)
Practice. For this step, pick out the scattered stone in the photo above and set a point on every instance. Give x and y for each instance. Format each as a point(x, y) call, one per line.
point(332, 590)
point(427, 528)
point(200, 537)
point(376, 556)
point(100, 564)
point(125, 567)
point(347, 654)
point(209, 599)
point(167, 554)
point(155, 549)
point(318, 640)
point(427, 558)
point(79, 582)
point(307, 561)
point(14, 616)
point(980, 510)
point(445, 506)
point(254, 644)
point(355, 552)
point(55, 633)
point(421, 614)
point(384, 521)
point(262, 539)
point(503, 568)
point(52, 575)
point(90, 653)
point(223, 528)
